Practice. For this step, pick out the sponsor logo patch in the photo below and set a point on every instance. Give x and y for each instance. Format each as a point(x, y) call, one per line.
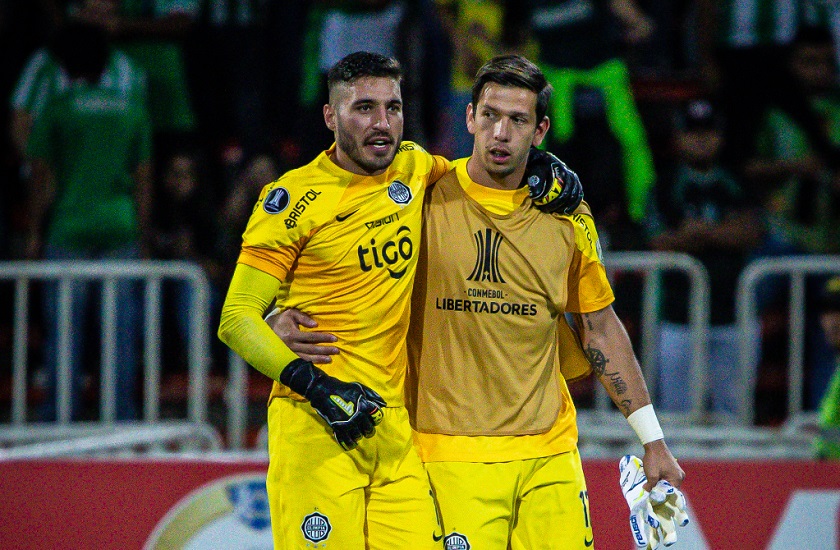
point(300, 207)
point(276, 200)
point(386, 255)
point(341, 218)
point(487, 260)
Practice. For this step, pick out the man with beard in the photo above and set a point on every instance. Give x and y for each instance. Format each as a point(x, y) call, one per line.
point(494, 422)
point(339, 238)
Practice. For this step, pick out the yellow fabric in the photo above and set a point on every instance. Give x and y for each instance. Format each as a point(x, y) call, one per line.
point(544, 500)
point(586, 289)
point(344, 248)
point(573, 366)
point(376, 496)
point(249, 295)
point(496, 201)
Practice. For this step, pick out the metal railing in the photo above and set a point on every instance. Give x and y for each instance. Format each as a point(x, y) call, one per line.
point(108, 272)
point(796, 268)
point(651, 265)
point(49, 441)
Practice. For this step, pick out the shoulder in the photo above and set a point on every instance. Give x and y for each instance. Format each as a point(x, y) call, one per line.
point(125, 69)
point(37, 69)
point(410, 153)
point(305, 196)
point(582, 223)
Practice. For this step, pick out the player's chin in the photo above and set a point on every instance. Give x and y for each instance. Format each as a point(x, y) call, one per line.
point(500, 169)
point(379, 160)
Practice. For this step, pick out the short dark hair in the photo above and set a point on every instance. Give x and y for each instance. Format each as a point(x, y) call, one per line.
point(517, 71)
point(361, 64)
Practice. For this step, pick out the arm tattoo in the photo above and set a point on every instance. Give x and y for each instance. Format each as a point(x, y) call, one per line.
point(625, 406)
point(597, 359)
point(619, 385)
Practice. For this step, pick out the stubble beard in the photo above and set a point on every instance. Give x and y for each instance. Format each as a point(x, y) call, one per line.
point(353, 149)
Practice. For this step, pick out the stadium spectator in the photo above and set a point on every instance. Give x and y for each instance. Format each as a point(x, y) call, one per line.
point(477, 30)
point(801, 193)
point(492, 417)
point(90, 150)
point(43, 77)
point(746, 47)
point(237, 207)
point(185, 221)
point(152, 33)
point(227, 58)
point(701, 209)
point(582, 57)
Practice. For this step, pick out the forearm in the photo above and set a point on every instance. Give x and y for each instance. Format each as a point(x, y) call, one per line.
point(608, 349)
point(242, 326)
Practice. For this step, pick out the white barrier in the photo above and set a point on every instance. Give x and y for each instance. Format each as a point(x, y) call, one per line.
point(795, 268)
point(108, 272)
point(651, 265)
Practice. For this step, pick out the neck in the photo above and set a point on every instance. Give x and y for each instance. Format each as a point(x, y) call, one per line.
point(481, 176)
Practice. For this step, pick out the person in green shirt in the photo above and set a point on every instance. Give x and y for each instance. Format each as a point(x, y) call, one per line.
point(90, 151)
point(827, 443)
point(152, 34)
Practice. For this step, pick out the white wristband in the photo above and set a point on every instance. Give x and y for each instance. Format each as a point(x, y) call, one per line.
point(644, 423)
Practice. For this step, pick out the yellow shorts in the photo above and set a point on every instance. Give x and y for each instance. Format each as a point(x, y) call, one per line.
point(520, 505)
point(374, 497)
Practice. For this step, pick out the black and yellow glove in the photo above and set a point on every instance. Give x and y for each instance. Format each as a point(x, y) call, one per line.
point(351, 409)
point(552, 186)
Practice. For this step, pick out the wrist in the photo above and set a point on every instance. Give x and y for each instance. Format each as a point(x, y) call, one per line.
point(646, 425)
point(300, 376)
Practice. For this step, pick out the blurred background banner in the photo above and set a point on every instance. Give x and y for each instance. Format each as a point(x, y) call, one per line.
point(220, 503)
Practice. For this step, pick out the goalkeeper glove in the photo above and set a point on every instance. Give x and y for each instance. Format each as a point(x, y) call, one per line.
point(654, 516)
point(351, 409)
point(669, 506)
point(552, 186)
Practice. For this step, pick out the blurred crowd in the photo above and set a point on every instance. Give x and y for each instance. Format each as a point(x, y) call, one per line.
point(710, 127)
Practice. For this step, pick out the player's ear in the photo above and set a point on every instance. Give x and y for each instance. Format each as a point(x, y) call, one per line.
point(470, 118)
point(542, 130)
point(329, 117)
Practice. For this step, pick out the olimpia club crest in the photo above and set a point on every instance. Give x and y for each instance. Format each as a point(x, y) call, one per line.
point(316, 527)
point(456, 541)
point(399, 192)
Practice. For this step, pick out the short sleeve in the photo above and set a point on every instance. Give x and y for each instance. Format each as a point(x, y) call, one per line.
point(589, 288)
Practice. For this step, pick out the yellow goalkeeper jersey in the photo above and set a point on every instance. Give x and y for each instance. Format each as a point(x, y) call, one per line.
point(345, 246)
point(495, 277)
